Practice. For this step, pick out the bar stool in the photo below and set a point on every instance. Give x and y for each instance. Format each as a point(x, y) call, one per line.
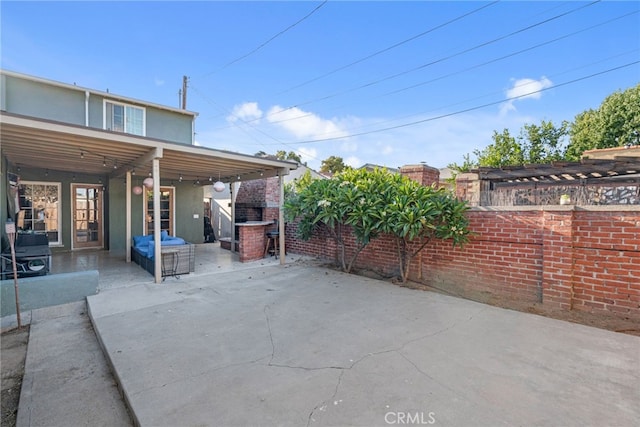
point(273, 238)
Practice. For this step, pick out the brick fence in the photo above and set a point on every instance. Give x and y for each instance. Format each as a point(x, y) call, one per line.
point(563, 256)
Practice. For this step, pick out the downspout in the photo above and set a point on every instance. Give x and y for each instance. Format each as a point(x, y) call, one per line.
point(86, 108)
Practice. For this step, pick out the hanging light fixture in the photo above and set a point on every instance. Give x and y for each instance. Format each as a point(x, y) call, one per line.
point(148, 182)
point(137, 190)
point(218, 186)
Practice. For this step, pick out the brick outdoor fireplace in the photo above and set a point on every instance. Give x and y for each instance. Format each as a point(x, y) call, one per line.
point(257, 201)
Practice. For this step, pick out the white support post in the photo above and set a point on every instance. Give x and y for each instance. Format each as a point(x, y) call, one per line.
point(156, 221)
point(232, 188)
point(128, 218)
point(281, 236)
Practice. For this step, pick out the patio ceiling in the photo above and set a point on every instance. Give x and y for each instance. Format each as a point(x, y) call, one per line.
point(42, 144)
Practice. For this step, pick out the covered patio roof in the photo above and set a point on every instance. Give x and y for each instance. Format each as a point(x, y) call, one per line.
point(44, 144)
point(37, 143)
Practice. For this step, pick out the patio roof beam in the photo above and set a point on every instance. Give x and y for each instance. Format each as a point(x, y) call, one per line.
point(155, 153)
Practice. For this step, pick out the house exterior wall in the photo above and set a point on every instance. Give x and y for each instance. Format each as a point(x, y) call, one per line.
point(48, 100)
point(188, 201)
point(65, 180)
point(67, 104)
point(35, 99)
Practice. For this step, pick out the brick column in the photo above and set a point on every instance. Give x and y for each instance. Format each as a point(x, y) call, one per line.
point(557, 259)
point(468, 188)
point(422, 174)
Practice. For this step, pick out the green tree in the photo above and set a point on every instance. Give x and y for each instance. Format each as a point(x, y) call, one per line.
point(349, 198)
point(333, 164)
point(504, 151)
point(415, 215)
point(544, 143)
point(281, 155)
point(372, 202)
point(291, 155)
point(615, 123)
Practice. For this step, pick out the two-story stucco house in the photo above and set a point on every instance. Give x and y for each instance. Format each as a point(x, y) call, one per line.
point(73, 162)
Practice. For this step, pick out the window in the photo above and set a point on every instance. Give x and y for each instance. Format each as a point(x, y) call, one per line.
point(40, 209)
point(124, 118)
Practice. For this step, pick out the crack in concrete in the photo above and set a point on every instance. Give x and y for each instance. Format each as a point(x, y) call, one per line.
point(323, 403)
point(201, 373)
point(343, 369)
point(273, 347)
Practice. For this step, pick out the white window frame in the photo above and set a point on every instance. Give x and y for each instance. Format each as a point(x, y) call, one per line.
point(108, 103)
point(59, 213)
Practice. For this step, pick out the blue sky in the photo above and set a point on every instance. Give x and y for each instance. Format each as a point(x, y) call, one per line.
point(389, 83)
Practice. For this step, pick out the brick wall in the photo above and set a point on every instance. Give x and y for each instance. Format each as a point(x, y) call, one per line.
point(565, 257)
point(251, 243)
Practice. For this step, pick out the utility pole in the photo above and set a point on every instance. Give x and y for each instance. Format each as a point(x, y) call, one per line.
point(184, 92)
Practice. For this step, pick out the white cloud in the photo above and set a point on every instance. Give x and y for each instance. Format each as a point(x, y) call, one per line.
point(158, 82)
point(245, 112)
point(523, 89)
point(303, 124)
point(353, 161)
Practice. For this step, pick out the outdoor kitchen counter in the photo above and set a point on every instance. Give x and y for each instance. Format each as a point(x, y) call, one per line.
point(252, 238)
point(254, 223)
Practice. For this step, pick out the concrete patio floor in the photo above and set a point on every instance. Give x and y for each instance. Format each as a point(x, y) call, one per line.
point(303, 345)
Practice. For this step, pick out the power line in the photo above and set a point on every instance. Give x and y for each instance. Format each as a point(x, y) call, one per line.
point(268, 41)
point(456, 72)
point(466, 110)
point(498, 92)
point(512, 54)
point(417, 36)
point(442, 59)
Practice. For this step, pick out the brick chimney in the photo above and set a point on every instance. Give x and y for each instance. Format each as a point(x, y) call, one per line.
point(423, 174)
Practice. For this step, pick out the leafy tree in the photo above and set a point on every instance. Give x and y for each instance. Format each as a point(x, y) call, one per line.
point(281, 155)
point(350, 198)
point(466, 166)
point(372, 202)
point(299, 184)
point(291, 155)
point(615, 123)
point(535, 144)
point(415, 213)
point(544, 143)
point(333, 164)
point(504, 151)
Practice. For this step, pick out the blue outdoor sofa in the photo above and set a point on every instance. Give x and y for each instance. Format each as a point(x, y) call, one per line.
point(178, 256)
